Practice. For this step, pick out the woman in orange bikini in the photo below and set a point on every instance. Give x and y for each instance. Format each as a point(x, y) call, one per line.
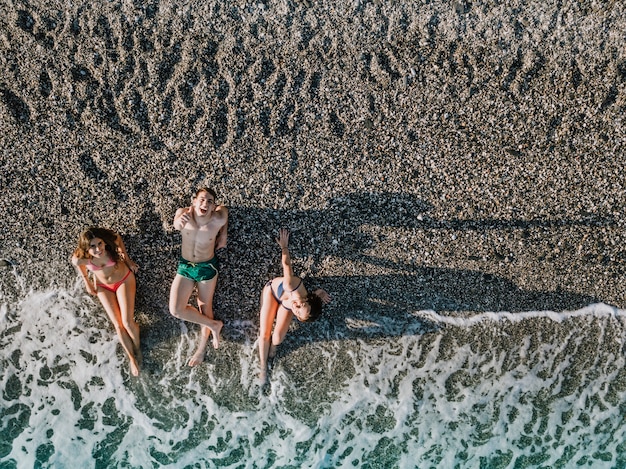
point(282, 299)
point(102, 253)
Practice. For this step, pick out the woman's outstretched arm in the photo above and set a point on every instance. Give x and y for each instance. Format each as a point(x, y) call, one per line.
point(283, 242)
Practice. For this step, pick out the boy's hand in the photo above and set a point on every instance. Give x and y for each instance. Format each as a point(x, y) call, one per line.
point(185, 217)
point(222, 255)
point(220, 240)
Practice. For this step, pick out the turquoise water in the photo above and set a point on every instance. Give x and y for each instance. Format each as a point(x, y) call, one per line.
point(531, 389)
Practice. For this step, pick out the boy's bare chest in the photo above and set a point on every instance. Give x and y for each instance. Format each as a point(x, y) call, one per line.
point(200, 234)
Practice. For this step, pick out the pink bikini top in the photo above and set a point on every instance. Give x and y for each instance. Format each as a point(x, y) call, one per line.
point(91, 266)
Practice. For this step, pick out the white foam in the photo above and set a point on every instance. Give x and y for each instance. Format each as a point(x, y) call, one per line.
point(599, 310)
point(478, 384)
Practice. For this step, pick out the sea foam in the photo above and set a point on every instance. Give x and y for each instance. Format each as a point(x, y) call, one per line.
point(512, 390)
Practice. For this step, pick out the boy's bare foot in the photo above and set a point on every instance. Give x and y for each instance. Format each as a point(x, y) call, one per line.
point(272, 351)
point(216, 329)
point(197, 357)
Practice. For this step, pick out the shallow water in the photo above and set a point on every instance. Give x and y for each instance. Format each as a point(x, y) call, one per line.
point(533, 389)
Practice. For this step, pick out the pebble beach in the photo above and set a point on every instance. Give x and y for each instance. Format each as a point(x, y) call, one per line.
point(474, 150)
point(452, 173)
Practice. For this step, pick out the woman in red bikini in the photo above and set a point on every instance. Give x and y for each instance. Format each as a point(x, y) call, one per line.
point(282, 299)
point(102, 253)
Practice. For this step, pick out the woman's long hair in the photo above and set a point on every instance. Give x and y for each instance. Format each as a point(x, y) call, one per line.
point(106, 235)
point(315, 302)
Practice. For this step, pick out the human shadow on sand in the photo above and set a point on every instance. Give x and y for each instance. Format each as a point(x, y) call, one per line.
point(337, 228)
point(363, 305)
point(371, 307)
point(335, 231)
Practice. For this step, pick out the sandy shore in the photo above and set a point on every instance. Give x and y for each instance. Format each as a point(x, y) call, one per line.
point(440, 156)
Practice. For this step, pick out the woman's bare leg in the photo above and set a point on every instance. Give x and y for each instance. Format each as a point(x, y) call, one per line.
point(112, 308)
point(126, 301)
point(283, 320)
point(269, 307)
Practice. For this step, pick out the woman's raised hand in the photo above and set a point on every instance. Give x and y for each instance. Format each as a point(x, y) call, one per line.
point(283, 238)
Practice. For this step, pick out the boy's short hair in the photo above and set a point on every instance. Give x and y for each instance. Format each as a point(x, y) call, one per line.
point(208, 190)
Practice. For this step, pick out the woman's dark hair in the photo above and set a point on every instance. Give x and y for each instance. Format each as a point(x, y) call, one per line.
point(108, 236)
point(315, 302)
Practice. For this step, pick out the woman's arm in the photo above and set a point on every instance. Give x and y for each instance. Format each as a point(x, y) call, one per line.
point(121, 248)
point(79, 261)
point(82, 270)
point(283, 242)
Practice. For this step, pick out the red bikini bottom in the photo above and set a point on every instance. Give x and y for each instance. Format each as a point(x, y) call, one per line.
point(113, 287)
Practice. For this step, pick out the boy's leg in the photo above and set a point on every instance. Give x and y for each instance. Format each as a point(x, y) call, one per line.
point(180, 293)
point(206, 292)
